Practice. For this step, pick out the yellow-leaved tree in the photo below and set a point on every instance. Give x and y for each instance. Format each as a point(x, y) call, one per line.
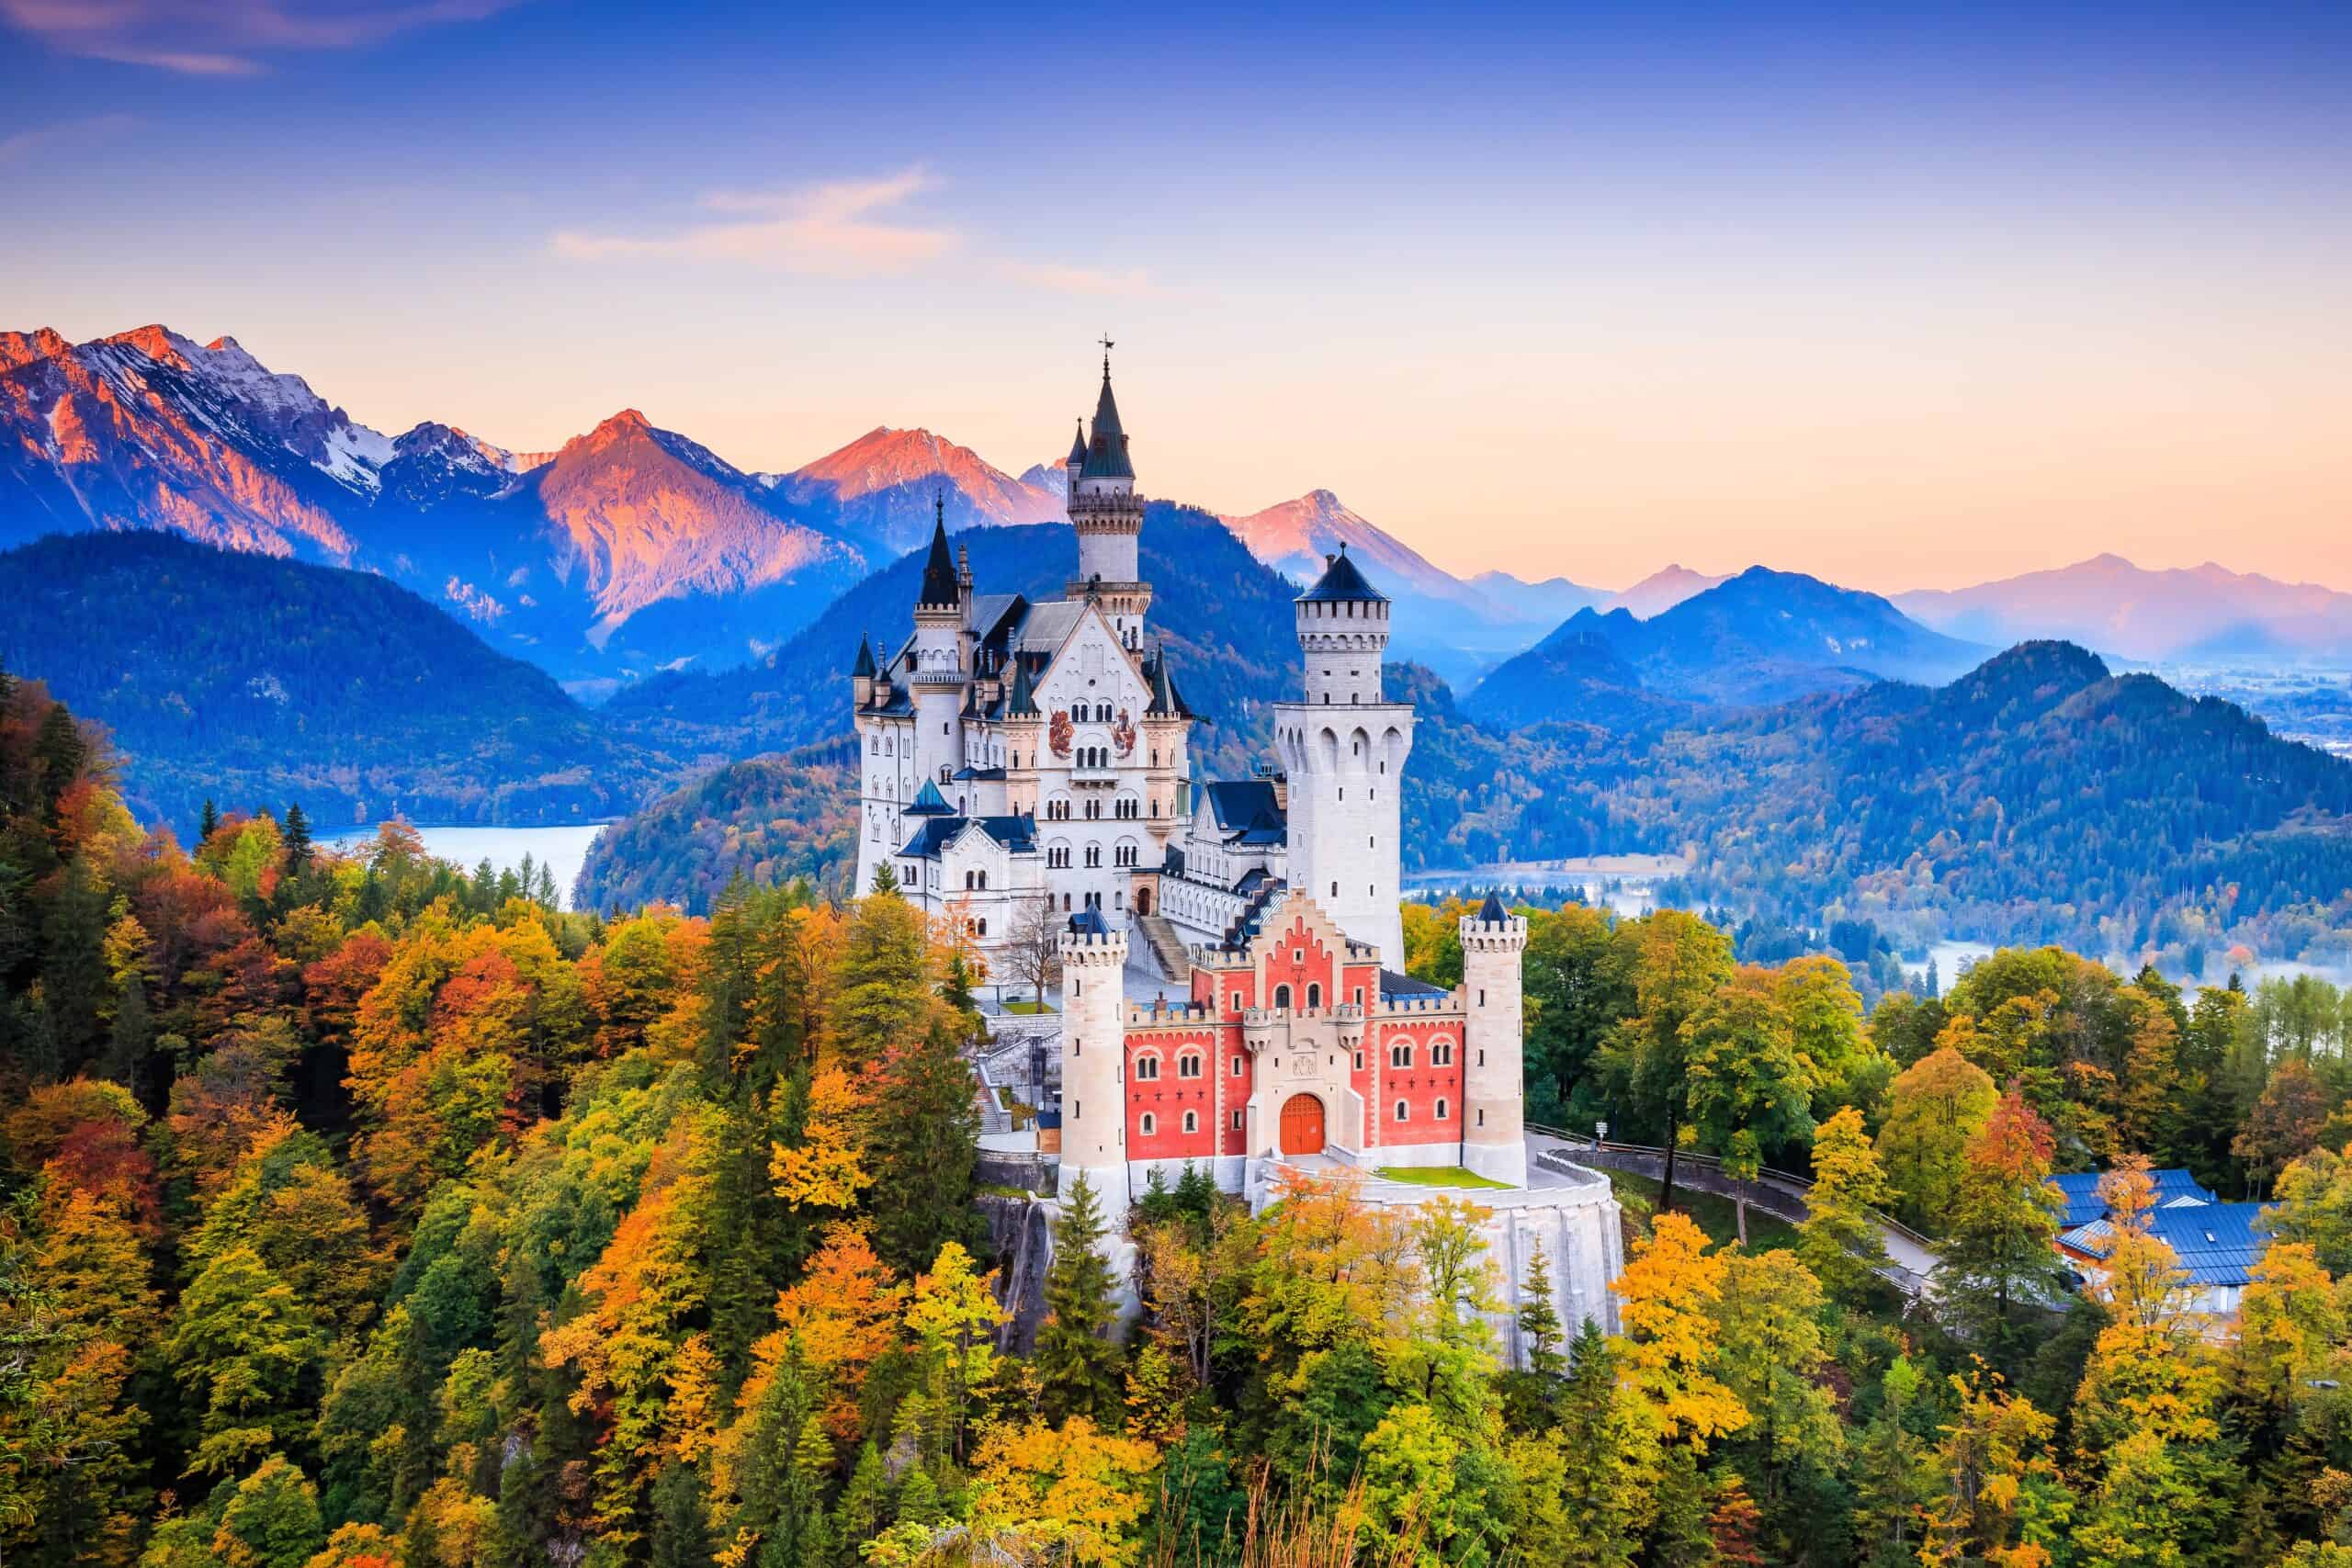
point(1668, 1294)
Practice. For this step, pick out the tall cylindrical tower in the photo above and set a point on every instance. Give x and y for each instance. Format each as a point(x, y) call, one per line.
point(1494, 1130)
point(1344, 749)
point(1108, 516)
point(937, 681)
point(1094, 1112)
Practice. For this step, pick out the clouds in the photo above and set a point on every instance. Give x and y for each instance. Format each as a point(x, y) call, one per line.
point(224, 37)
point(840, 228)
point(849, 229)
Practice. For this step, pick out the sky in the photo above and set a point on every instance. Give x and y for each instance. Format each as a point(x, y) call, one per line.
point(1901, 296)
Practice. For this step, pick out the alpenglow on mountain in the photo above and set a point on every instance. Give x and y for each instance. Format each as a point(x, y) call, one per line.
point(630, 550)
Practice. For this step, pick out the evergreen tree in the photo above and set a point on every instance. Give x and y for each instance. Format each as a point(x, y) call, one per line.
point(1077, 1364)
point(680, 1536)
point(1539, 1320)
point(1607, 1454)
point(296, 833)
point(864, 1509)
point(885, 881)
point(61, 752)
point(921, 1154)
point(208, 822)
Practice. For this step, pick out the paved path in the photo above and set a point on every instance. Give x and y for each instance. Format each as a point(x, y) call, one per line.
point(1911, 1257)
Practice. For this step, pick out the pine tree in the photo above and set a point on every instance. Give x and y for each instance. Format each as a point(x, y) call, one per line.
point(885, 881)
point(1075, 1360)
point(918, 1501)
point(207, 823)
point(60, 751)
point(296, 831)
point(1607, 1456)
point(923, 1154)
point(681, 1526)
point(863, 1507)
point(1539, 1320)
point(1679, 1535)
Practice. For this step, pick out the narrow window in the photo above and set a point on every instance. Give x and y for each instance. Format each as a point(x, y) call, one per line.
point(1192, 1120)
point(1400, 1111)
point(1149, 1125)
point(1441, 1109)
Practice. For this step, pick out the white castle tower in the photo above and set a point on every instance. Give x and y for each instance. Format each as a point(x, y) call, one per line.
point(940, 612)
point(1095, 1110)
point(1494, 1136)
point(1108, 516)
point(1344, 750)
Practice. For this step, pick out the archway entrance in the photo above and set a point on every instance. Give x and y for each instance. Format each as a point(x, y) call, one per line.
point(1302, 1125)
point(1142, 900)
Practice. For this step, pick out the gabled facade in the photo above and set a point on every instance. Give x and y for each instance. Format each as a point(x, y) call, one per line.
point(1062, 714)
point(1295, 1043)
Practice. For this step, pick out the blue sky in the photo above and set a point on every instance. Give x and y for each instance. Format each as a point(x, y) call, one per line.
point(1907, 297)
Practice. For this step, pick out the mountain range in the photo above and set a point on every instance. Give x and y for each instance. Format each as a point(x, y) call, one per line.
point(1763, 637)
point(2198, 614)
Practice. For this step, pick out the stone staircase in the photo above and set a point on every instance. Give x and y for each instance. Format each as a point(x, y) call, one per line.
point(1166, 948)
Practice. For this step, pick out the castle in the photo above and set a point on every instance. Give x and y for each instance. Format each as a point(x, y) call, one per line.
point(1021, 761)
point(1015, 756)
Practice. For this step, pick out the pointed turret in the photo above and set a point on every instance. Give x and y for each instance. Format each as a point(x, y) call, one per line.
point(1022, 702)
point(1163, 693)
point(939, 570)
point(1106, 453)
point(863, 669)
point(1492, 913)
point(1078, 445)
point(929, 802)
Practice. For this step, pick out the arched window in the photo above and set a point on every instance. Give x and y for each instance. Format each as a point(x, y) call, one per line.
point(1441, 1053)
point(1188, 1065)
point(1314, 995)
point(1441, 1109)
point(1192, 1120)
point(1150, 1124)
point(1400, 1056)
point(1148, 1069)
point(1403, 1112)
point(1281, 998)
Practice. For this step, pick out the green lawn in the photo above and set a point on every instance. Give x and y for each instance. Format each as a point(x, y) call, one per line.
point(1716, 1215)
point(1435, 1176)
point(1030, 1007)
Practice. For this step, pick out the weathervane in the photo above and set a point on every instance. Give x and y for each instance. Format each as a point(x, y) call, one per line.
point(1107, 347)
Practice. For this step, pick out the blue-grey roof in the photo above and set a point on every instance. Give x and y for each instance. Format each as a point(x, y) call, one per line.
point(1392, 984)
point(1251, 880)
point(1078, 446)
point(980, 775)
point(1018, 834)
point(2080, 1189)
point(929, 802)
point(1492, 913)
point(1238, 803)
point(1089, 921)
point(2217, 1244)
point(1342, 583)
point(864, 665)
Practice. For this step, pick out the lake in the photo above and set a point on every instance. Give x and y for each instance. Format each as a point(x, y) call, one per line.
point(562, 848)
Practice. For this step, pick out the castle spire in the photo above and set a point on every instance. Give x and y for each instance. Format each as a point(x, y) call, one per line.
point(939, 570)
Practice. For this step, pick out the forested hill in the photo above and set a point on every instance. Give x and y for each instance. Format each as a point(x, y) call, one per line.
point(769, 819)
point(1225, 618)
point(2039, 796)
point(253, 679)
